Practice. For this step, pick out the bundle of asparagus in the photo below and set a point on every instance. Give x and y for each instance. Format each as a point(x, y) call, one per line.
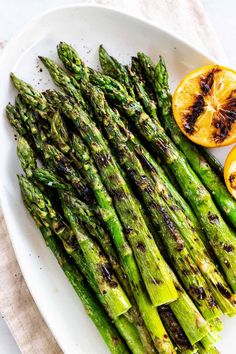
point(134, 229)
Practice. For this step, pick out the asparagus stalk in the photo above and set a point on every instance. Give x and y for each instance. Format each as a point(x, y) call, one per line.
point(59, 133)
point(152, 320)
point(211, 181)
point(149, 314)
point(65, 82)
point(163, 215)
point(52, 180)
point(174, 329)
point(31, 122)
point(137, 69)
point(220, 236)
point(86, 215)
point(94, 256)
point(190, 319)
point(213, 162)
point(107, 330)
point(72, 62)
point(27, 156)
point(125, 328)
point(114, 299)
point(142, 96)
point(193, 323)
point(94, 227)
point(127, 324)
point(113, 68)
point(60, 137)
point(15, 120)
point(136, 229)
point(63, 165)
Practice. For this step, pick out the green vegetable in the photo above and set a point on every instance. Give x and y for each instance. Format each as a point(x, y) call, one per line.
point(93, 309)
point(220, 236)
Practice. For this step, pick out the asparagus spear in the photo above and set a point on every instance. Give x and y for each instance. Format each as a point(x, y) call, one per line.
point(158, 332)
point(150, 317)
point(86, 215)
point(134, 224)
point(97, 231)
point(111, 65)
point(107, 330)
point(211, 181)
point(220, 236)
point(59, 134)
point(128, 325)
point(65, 82)
point(213, 162)
point(27, 156)
point(63, 165)
point(125, 328)
point(149, 314)
point(113, 68)
point(94, 227)
point(15, 120)
point(193, 323)
point(72, 62)
point(137, 69)
point(91, 221)
point(50, 179)
point(142, 96)
point(163, 215)
point(28, 160)
point(114, 299)
point(174, 329)
point(97, 260)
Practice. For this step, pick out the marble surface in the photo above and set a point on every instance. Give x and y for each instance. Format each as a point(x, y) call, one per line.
point(12, 17)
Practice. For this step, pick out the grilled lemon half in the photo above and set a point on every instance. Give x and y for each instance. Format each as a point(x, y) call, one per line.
point(230, 172)
point(204, 106)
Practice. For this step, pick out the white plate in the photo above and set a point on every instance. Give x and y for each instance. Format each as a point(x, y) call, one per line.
point(85, 27)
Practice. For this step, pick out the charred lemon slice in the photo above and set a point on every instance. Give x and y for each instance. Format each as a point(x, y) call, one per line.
point(230, 172)
point(204, 106)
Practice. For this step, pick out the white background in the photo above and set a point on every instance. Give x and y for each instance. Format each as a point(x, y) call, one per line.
point(14, 14)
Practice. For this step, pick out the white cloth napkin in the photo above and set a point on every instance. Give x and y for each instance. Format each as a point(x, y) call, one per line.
point(187, 19)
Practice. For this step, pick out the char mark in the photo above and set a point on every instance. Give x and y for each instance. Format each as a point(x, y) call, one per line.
point(232, 180)
point(223, 291)
point(228, 248)
point(194, 112)
point(103, 160)
point(213, 218)
point(224, 119)
point(107, 275)
point(206, 82)
point(174, 327)
point(144, 161)
point(222, 122)
point(197, 292)
point(171, 226)
point(118, 194)
point(141, 247)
